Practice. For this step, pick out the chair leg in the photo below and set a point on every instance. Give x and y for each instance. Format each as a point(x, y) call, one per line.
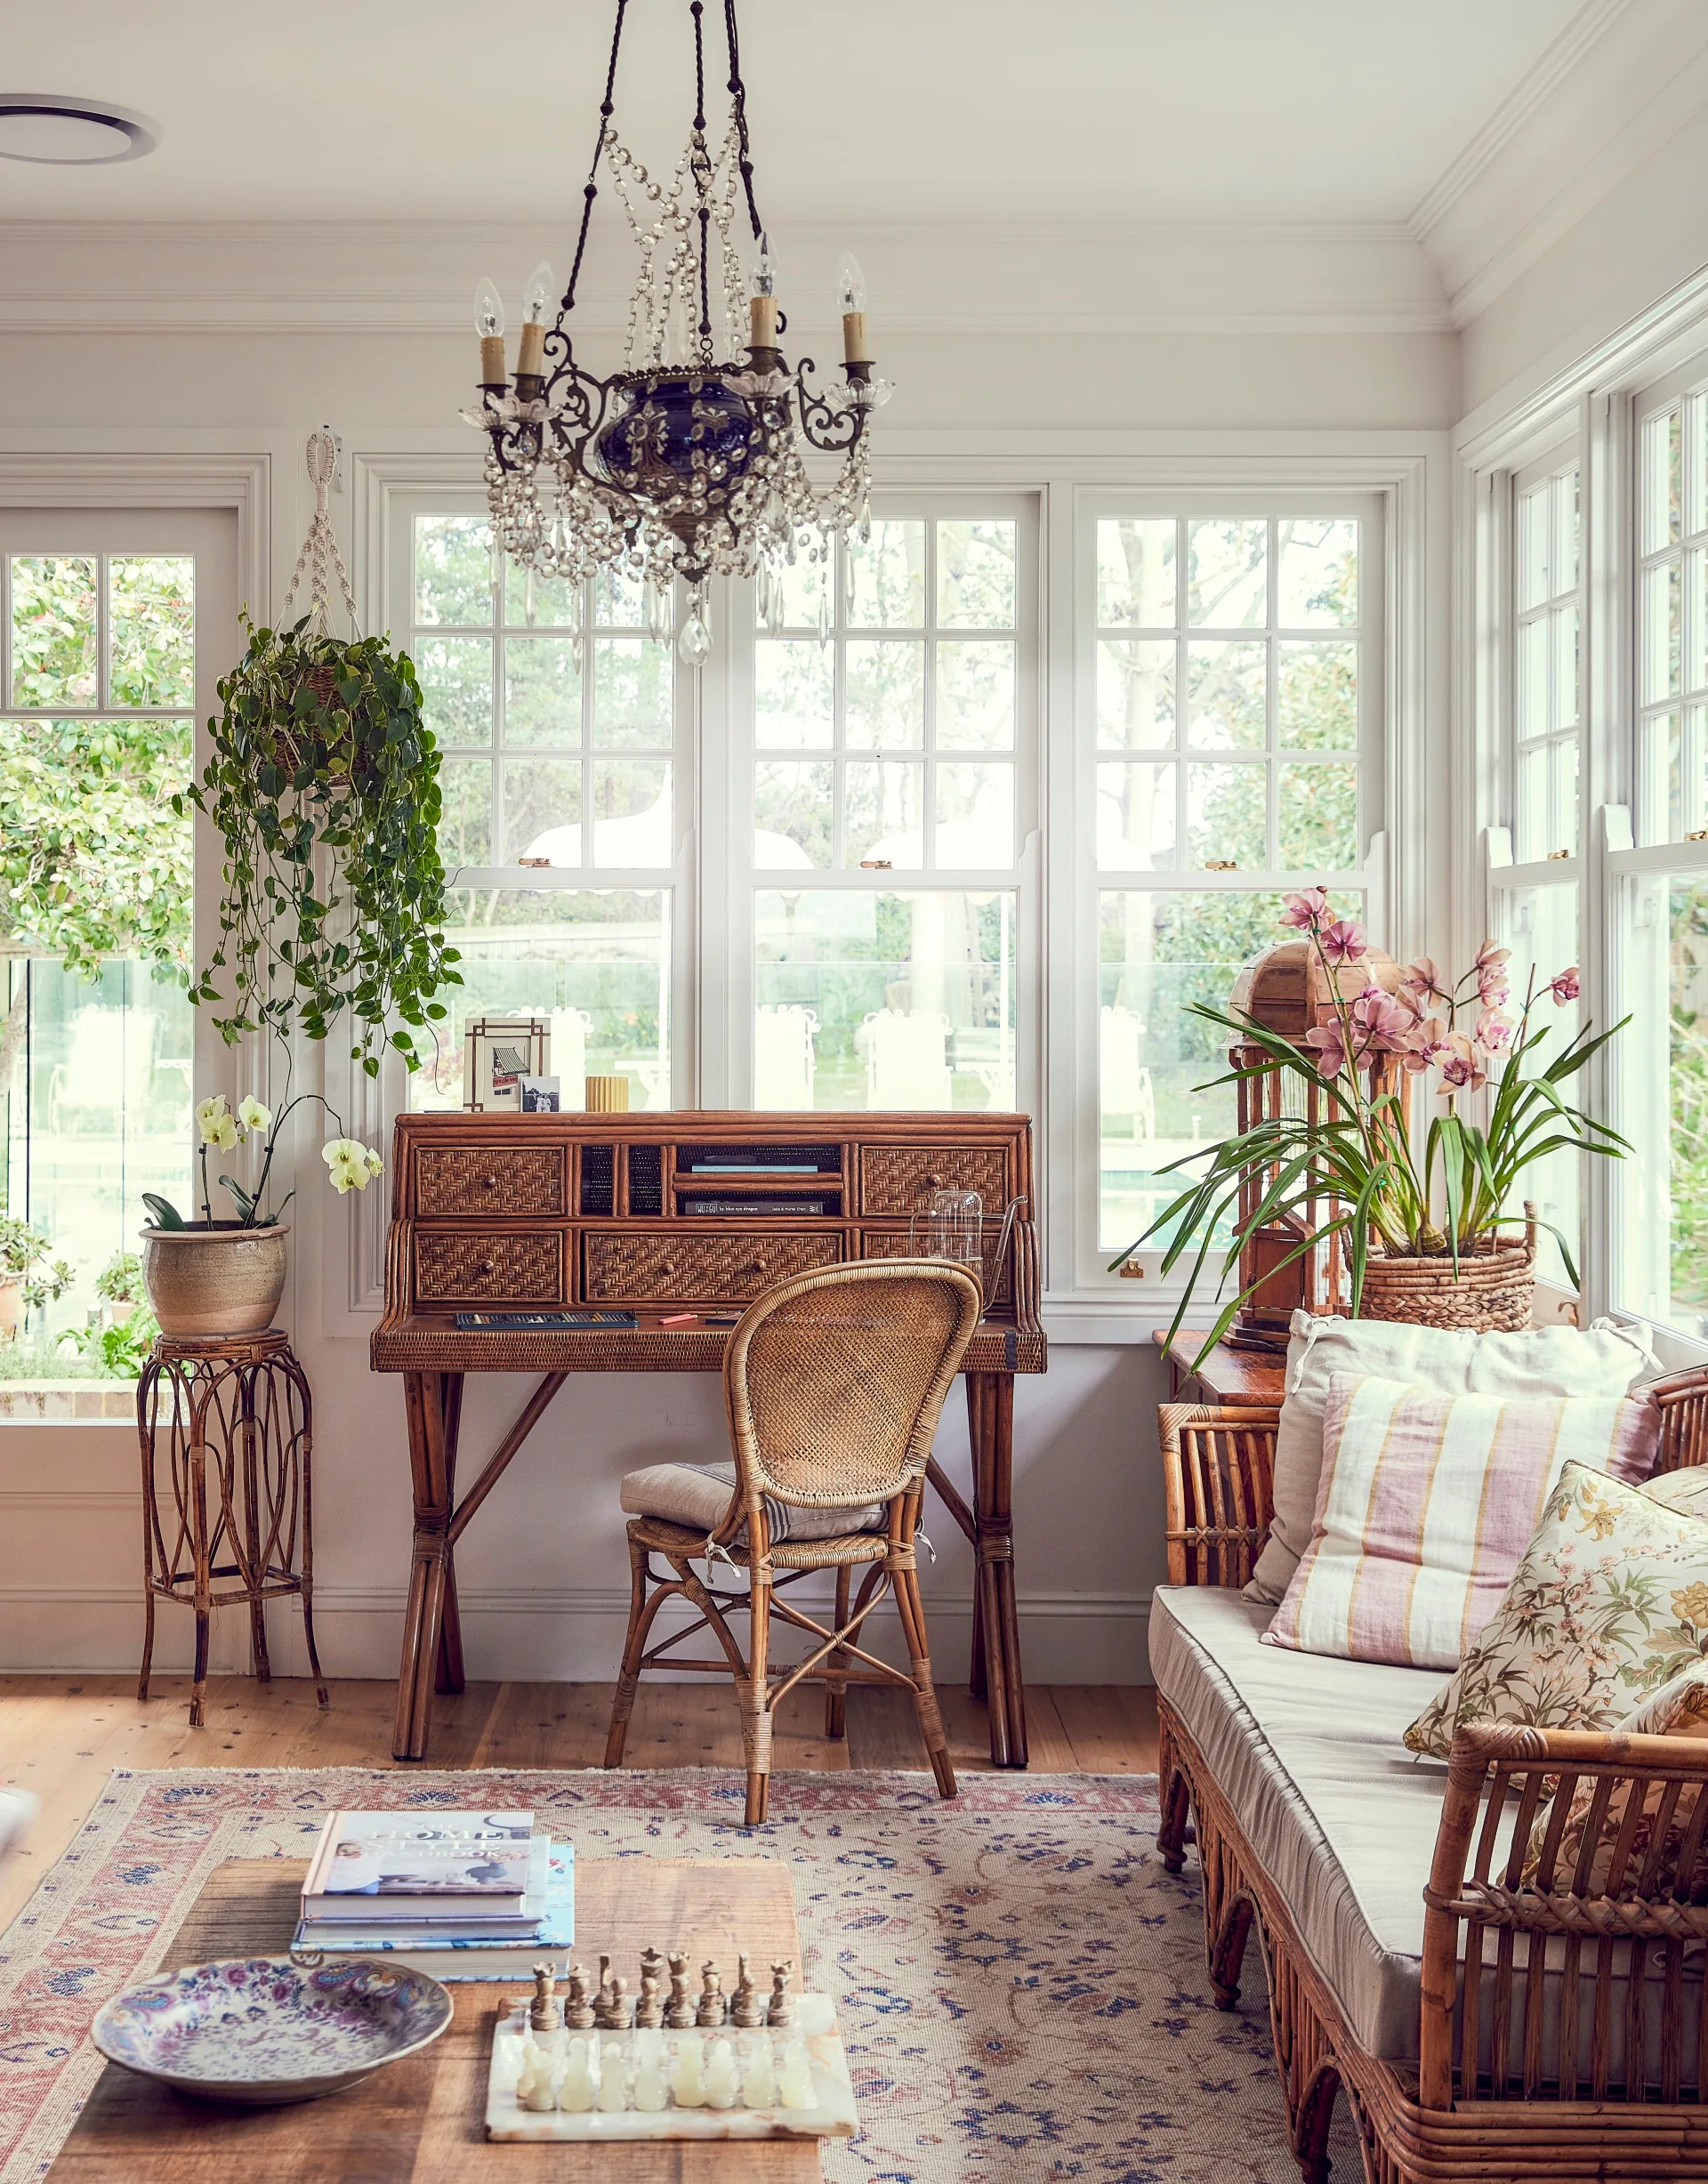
point(640, 1615)
point(930, 1721)
point(755, 1700)
point(835, 1687)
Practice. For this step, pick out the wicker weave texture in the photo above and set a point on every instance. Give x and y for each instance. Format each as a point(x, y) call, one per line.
point(900, 1179)
point(491, 1180)
point(835, 1388)
point(510, 1268)
point(729, 1264)
point(1492, 1293)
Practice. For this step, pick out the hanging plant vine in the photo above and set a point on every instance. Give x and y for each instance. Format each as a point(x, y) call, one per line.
point(324, 784)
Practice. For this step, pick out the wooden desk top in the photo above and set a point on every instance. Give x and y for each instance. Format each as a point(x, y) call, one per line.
point(1227, 1375)
point(423, 2121)
point(428, 1342)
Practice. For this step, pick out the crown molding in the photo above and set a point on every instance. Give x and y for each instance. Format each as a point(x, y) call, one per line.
point(1081, 280)
point(1616, 86)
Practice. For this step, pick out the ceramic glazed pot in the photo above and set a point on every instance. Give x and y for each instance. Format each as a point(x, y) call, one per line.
point(215, 1280)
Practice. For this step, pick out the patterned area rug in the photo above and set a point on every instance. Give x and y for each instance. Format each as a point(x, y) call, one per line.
point(1020, 1985)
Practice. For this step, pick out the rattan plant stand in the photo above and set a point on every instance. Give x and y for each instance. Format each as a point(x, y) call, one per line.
point(226, 1426)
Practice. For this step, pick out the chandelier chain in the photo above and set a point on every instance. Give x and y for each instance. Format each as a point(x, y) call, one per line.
point(608, 106)
point(738, 108)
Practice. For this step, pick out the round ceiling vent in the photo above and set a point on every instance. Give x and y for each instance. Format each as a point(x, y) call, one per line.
point(50, 131)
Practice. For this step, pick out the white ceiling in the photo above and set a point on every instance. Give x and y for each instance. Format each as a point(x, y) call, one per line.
point(862, 110)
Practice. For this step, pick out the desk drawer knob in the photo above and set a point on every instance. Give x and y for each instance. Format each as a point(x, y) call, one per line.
point(485, 1267)
point(755, 1265)
point(488, 1182)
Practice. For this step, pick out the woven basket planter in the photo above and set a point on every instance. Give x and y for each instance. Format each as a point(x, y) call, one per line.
point(1488, 1293)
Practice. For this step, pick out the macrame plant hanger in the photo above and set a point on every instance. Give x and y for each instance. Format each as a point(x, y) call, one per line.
point(320, 556)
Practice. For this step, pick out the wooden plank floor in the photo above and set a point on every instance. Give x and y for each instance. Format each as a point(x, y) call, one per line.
point(60, 1737)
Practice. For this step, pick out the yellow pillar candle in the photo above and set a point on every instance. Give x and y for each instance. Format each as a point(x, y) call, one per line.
point(530, 357)
point(607, 1095)
point(762, 322)
point(854, 338)
point(492, 360)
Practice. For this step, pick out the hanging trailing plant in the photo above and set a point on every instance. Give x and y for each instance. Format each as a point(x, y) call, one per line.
point(324, 784)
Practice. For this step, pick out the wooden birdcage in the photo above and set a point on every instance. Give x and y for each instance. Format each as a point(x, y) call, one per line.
point(1286, 992)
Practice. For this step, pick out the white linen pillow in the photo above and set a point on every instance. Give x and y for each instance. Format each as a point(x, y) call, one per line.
point(1602, 1360)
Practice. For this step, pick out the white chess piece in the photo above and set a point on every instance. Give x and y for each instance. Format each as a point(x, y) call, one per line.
point(576, 2093)
point(794, 2080)
point(651, 2093)
point(687, 2081)
point(758, 2089)
point(534, 2087)
point(722, 2079)
point(612, 2078)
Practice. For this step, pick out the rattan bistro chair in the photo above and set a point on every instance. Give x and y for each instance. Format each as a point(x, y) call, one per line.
point(833, 1383)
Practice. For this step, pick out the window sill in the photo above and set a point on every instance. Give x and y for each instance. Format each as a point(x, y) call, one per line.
point(57, 1402)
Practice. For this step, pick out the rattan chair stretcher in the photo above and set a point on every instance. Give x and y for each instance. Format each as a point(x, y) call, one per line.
point(1506, 2087)
point(833, 1383)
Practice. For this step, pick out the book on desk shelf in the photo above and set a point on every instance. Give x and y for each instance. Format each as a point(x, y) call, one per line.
point(457, 1951)
point(388, 1867)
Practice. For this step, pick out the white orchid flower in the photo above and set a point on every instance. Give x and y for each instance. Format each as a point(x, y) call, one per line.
point(209, 1114)
point(253, 1117)
point(223, 1131)
point(348, 1163)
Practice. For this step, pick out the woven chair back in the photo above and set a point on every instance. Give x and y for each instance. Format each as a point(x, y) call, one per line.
point(834, 1381)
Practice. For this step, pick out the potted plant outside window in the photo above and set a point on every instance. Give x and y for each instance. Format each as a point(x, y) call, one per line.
point(30, 1274)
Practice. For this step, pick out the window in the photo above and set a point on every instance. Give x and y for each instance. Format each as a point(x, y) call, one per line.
point(558, 711)
point(98, 701)
point(1234, 712)
point(1548, 699)
point(892, 791)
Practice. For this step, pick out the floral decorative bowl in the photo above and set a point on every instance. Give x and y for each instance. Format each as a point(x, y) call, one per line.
point(262, 2029)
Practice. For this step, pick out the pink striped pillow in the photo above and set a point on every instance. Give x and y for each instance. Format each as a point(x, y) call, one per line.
point(1425, 1507)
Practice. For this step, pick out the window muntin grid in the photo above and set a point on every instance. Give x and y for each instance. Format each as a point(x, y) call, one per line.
point(1227, 693)
point(1547, 702)
point(548, 710)
point(885, 702)
point(1671, 647)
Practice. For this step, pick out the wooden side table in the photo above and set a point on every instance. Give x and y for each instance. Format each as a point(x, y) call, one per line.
point(226, 1426)
point(1226, 1376)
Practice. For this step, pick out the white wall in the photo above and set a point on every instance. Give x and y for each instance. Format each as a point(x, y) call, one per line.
point(159, 343)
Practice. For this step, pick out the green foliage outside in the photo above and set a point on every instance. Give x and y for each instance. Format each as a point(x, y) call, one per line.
point(1687, 1140)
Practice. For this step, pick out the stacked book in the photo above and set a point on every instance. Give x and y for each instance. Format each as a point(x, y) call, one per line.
point(460, 1895)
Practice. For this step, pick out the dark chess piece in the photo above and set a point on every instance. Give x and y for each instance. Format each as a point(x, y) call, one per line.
point(747, 2004)
point(649, 2011)
point(780, 2011)
point(578, 2011)
point(621, 2012)
point(711, 2012)
point(680, 2014)
point(602, 2000)
point(546, 2012)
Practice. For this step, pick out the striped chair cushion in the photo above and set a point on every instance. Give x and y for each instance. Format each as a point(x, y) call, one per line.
point(1426, 1505)
point(698, 1495)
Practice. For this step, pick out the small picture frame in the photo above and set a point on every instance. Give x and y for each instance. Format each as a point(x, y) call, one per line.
point(498, 1053)
point(540, 1095)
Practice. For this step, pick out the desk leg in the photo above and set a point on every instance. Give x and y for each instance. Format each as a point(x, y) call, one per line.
point(448, 1676)
point(996, 1631)
point(424, 1623)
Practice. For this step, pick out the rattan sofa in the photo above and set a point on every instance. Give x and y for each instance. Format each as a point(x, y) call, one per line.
point(1478, 2028)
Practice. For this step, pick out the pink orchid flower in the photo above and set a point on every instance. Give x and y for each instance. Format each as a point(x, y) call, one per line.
point(1383, 1022)
point(1492, 986)
point(1566, 987)
point(1344, 941)
point(1427, 1041)
point(1328, 1049)
point(1494, 1032)
point(1307, 912)
point(1422, 981)
point(1459, 1071)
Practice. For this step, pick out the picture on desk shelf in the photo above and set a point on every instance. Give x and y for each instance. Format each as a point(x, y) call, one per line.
point(499, 1055)
point(540, 1095)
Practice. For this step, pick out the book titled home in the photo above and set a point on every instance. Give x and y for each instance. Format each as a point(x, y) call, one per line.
point(398, 1866)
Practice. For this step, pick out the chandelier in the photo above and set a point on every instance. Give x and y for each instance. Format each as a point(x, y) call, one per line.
point(691, 462)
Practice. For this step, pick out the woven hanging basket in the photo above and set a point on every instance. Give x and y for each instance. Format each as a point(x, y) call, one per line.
point(1490, 1295)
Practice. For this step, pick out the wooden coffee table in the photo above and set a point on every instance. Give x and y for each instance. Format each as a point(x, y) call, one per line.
point(423, 2121)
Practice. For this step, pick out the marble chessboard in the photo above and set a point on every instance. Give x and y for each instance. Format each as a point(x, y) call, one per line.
point(806, 2061)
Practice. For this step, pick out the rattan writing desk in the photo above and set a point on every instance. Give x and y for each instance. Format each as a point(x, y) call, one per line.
point(661, 1215)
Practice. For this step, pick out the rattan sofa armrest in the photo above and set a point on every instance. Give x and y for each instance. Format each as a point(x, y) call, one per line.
point(1683, 1400)
point(1218, 1474)
point(1483, 1891)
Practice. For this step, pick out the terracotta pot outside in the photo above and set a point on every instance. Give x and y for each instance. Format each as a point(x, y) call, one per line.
point(221, 1280)
point(12, 1308)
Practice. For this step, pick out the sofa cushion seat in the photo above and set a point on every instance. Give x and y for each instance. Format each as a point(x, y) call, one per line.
point(1342, 1819)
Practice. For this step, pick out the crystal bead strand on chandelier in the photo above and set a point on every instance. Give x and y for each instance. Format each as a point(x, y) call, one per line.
point(692, 462)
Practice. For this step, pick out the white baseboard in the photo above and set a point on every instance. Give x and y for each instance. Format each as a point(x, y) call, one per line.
point(558, 1635)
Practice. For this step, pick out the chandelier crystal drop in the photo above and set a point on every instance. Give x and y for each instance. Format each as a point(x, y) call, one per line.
point(692, 461)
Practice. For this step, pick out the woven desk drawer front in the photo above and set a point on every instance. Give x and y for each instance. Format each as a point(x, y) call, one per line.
point(900, 1179)
point(526, 1269)
point(739, 1265)
point(897, 1244)
point(502, 1181)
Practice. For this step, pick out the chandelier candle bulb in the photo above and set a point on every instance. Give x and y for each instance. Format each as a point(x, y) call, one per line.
point(762, 322)
point(489, 325)
point(850, 288)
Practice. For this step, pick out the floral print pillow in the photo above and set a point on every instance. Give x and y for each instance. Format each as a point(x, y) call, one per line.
point(1609, 1603)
